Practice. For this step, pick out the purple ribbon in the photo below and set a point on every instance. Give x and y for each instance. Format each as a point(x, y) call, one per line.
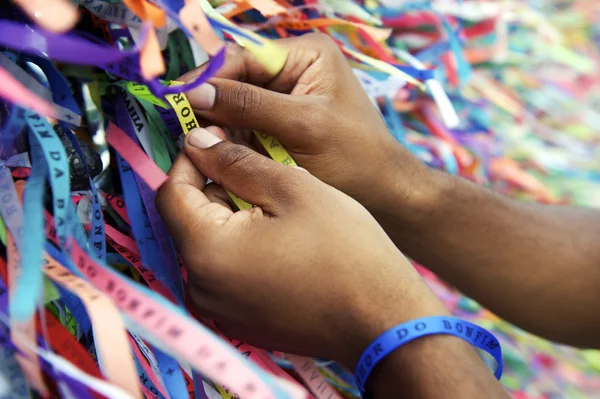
point(74, 49)
point(60, 47)
point(214, 65)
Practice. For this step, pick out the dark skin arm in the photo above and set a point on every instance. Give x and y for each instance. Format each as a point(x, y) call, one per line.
point(535, 265)
point(283, 276)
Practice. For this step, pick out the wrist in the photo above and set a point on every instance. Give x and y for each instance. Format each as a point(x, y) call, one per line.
point(421, 328)
point(431, 367)
point(378, 310)
point(409, 191)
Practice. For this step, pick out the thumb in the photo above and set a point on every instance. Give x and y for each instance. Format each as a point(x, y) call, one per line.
point(249, 175)
point(237, 104)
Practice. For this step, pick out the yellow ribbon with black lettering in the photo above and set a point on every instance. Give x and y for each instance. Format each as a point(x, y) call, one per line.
point(188, 121)
point(185, 114)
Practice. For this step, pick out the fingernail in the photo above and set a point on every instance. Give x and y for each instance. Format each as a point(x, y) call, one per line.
point(203, 96)
point(202, 138)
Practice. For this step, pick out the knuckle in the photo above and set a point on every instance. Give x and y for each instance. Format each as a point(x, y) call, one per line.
point(243, 100)
point(292, 184)
point(327, 44)
point(238, 56)
point(232, 48)
point(312, 118)
point(321, 39)
point(318, 112)
point(233, 157)
point(294, 187)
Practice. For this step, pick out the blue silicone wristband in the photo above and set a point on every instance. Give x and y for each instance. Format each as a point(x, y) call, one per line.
point(403, 333)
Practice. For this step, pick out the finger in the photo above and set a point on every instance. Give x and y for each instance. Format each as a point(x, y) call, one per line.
point(249, 175)
point(184, 172)
point(237, 104)
point(241, 65)
point(216, 193)
point(239, 136)
point(185, 210)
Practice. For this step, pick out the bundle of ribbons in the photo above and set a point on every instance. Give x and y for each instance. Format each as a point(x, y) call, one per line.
point(92, 300)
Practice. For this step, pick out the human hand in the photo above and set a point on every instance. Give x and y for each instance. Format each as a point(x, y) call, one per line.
point(307, 270)
point(318, 110)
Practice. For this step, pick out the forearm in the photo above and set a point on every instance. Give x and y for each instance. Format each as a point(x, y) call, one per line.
point(537, 266)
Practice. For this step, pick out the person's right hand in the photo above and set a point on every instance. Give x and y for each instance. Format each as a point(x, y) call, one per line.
point(306, 271)
point(318, 110)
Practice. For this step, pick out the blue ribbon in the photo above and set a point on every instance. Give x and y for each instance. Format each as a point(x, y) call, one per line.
point(29, 285)
point(165, 265)
point(419, 74)
point(61, 92)
point(171, 374)
point(97, 236)
point(404, 333)
point(28, 290)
